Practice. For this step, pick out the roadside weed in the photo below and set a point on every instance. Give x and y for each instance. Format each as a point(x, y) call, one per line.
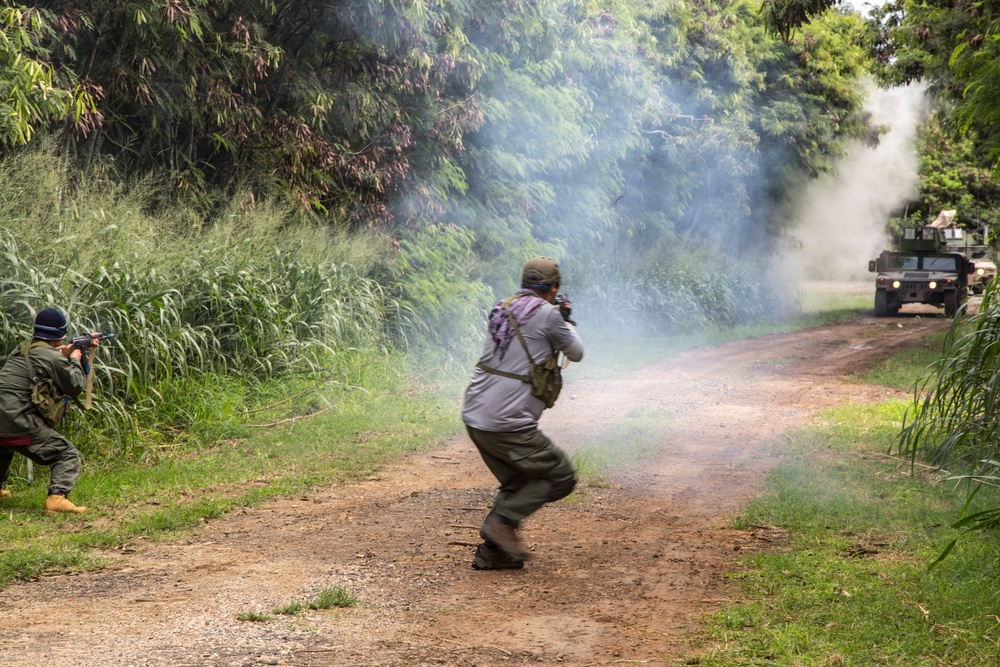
point(252, 617)
point(333, 597)
point(290, 609)
point(328, 598)
point(849, 583)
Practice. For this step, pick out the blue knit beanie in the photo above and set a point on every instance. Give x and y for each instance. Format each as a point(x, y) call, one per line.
point(50, 324)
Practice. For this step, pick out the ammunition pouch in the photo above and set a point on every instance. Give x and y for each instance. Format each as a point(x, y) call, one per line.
point(51, 403)
point(546, 380)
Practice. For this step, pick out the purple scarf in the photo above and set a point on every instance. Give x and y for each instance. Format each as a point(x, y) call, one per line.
point(525, 304)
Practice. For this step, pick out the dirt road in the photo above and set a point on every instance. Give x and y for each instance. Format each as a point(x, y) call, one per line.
point(619, 574)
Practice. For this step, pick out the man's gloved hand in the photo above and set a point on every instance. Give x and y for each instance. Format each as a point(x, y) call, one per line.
point(565, 308)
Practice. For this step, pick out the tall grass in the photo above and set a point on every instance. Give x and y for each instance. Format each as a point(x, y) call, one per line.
point(439, 282)
point(214, 314)
point(953, 421)
point(447, 290)
point(209, 317)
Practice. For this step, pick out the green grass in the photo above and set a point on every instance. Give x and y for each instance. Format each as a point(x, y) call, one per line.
point(178, 491)
point(849, 583)
point(903, 369)
point(328, 598)
point(832, 302)
point(290, 609)
point(252, 617)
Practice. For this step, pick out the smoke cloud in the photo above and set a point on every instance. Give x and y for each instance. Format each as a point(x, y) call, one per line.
point(840, 218)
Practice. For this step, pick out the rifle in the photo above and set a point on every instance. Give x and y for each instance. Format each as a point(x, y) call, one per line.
point(85, 343)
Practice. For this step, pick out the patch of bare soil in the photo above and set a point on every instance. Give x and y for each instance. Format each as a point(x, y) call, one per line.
point(618, 574)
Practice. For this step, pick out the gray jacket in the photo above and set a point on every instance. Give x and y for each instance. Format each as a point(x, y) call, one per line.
point(500, 404)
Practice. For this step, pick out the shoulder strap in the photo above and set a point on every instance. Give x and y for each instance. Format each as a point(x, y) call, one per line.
point(513, 322)
point(531, 362)
point(494, 371)
point(517, 330)
point(26, 351)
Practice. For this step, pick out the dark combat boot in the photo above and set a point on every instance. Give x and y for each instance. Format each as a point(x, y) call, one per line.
point(491, 557)
point(499, 531)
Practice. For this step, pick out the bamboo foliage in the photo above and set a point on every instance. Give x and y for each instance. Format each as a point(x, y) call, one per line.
point(953, 421)
point(954, 418)
point(30, 96)
point(327, 104)
point(257, 319)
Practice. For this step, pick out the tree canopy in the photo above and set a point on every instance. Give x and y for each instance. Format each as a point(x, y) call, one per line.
point(539, 115)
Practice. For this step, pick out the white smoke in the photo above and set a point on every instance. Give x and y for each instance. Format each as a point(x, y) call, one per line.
point(840, 218)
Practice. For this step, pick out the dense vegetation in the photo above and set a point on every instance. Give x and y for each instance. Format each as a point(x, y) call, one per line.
point(208, 322)
point(950, 48)
point(954, 177)
point(258, 194)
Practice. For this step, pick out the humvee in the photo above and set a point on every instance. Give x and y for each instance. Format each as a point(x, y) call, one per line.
point(984, 268)
point(921, 271)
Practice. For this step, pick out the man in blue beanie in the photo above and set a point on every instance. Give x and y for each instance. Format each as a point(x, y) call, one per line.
point(23, 428)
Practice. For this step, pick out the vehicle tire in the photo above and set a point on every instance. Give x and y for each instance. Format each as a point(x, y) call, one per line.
point(951, 303)
point(881, 303)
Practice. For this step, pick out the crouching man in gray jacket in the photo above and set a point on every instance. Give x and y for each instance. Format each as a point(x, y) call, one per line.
point(501, 414)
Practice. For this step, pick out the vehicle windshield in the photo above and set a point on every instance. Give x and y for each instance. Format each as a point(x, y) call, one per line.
point(903, 263)
point(939, 264)
point(921, 263)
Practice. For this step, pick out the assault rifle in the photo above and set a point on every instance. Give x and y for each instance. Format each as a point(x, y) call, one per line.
point(562, 303)
point(86, 341)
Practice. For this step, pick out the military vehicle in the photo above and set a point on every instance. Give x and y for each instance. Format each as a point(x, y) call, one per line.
point(985, 272)
point(923, 270)
point(982, 256)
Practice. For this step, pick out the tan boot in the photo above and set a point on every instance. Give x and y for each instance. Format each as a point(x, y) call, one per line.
point(60, 505)
point(4, 494)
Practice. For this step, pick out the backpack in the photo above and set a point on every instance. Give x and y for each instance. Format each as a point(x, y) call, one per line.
point(545, 378)
point(45, 395)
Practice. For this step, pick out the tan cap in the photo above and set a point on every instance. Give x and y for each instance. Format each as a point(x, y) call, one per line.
point(540, 271)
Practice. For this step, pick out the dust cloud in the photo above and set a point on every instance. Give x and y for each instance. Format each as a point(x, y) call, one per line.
point(840, 218)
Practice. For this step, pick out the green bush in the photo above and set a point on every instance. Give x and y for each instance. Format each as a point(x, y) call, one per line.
point(443, 299)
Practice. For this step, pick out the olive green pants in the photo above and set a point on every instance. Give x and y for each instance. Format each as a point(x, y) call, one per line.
point(531, 470)
point(48, 448)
